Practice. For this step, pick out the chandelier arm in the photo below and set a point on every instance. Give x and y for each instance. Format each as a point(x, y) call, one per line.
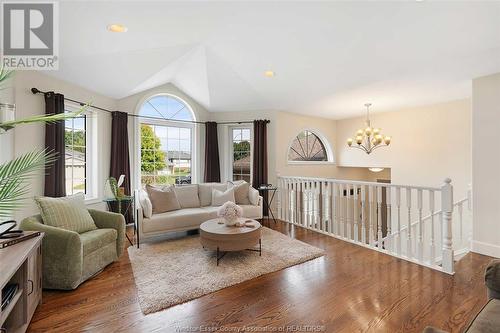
point(360, 147)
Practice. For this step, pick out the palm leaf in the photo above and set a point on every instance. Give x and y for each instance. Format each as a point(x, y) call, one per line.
point(15, 176)
point(46, 118)
point(4, 74)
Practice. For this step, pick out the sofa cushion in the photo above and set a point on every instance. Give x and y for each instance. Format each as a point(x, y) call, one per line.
point(253, 196)
point(178, 219)
point(219, 198)
point(187, 196)
point(147, 207)
point(205, 192)
point(96, 239)
point(488, 320)
point(67, 213)
point(163, 199)
point(241, 191)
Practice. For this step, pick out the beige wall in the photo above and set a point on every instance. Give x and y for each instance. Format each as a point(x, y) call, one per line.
point(30, 137)
point(429, 143)
point(486, 164)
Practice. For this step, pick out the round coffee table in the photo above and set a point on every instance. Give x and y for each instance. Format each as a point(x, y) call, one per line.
point(215, 235)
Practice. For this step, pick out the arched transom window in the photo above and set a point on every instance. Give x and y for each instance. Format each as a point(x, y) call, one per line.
point(308, 147)
point(167, 142)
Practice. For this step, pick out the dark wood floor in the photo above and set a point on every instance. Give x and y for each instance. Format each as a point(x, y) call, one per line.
point(350, 289)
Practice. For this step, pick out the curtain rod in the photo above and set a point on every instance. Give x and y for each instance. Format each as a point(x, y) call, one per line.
point(35, 91)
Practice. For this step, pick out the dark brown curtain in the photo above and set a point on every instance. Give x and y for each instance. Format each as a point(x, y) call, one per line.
point(212, 165)
point(55, 175)
point(260, 157)
point(120, 162)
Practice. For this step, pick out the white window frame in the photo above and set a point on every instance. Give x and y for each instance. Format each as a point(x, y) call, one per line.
point(91, 171)
point(231, 150)
point(171, 123)
point(329, 151)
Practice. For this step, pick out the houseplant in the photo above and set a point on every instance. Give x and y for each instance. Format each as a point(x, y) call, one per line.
point(16, 173)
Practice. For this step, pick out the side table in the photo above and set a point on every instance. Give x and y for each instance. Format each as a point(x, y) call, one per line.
point(270, 189)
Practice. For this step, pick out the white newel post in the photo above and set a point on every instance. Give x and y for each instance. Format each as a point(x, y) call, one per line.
point(447, 209)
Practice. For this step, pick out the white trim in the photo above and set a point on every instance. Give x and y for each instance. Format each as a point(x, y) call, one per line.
point(195, 144)
point(91, 152)
point(329, 151)
point(487, 249)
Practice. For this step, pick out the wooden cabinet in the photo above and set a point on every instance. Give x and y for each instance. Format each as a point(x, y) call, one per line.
point(34, 280)
point(21, 264)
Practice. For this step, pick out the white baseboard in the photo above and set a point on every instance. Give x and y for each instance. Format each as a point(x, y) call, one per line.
point(487, 249)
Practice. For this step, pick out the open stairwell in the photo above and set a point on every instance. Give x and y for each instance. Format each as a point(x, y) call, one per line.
point(419, 224)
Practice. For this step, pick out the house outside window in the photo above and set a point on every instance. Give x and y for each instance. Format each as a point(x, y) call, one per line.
point(241, 153)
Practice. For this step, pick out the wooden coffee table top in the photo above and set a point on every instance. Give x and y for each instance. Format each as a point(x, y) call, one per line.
point(217, 226)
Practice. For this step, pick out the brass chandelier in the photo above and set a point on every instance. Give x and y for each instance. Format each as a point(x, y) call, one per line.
point(370, 138)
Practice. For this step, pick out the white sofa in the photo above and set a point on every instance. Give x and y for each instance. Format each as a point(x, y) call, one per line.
point(186, 218)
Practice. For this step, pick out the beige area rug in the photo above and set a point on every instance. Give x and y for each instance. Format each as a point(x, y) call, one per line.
point(175, 271)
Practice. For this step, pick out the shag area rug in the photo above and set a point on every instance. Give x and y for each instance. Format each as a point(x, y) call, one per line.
point(175, 271)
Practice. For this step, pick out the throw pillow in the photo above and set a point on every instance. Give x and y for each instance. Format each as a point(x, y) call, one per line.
point(147, 207)
point(253, 196)
point(162, 199)
point(187, 196)
point(240, 192)
point(205, 192)
point(219, 198)
point(67, 213)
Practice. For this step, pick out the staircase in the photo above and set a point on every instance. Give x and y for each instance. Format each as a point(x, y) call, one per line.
point(419, 224)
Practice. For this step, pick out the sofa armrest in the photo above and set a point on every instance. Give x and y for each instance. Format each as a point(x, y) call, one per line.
point(104, 219)
point(62, 254)
point(492, 279)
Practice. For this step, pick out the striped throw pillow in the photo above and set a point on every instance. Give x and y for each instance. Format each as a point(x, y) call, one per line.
point(67, 213)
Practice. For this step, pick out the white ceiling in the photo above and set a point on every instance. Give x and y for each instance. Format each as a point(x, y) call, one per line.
point(329, 57)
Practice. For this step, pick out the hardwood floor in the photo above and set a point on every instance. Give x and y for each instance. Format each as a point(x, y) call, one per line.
point(350, 289)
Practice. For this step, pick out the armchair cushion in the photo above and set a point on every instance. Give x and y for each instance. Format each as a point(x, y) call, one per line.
point(67, 213)
point(96, 239)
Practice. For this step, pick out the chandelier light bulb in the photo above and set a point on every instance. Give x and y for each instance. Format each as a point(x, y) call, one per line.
point(387, 140)
point(360, 132)
point(376, 131)
point(349, 142)
point(368, 131)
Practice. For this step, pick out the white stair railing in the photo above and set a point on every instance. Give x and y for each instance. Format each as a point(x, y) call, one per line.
point(400, 220)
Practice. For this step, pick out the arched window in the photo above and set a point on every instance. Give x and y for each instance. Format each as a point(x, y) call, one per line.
point(166, 141)
point(309, 147)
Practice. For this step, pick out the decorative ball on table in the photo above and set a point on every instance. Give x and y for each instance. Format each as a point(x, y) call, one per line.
point(230, 213)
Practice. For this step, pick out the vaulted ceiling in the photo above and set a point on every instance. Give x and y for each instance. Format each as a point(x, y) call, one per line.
point(329, 57)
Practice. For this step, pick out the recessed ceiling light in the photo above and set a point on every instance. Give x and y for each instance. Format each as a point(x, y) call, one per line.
point(117, 28)
point(375, 169)
point(269, 73)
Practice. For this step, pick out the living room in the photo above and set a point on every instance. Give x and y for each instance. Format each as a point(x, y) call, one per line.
point(343, 143)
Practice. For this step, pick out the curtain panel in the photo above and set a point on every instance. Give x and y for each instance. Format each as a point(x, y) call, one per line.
point(120, 161)
point(260, 176)
point(212, 163)
point(55, 174)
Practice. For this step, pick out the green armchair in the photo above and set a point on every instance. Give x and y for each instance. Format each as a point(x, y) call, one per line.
point(70, 258)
